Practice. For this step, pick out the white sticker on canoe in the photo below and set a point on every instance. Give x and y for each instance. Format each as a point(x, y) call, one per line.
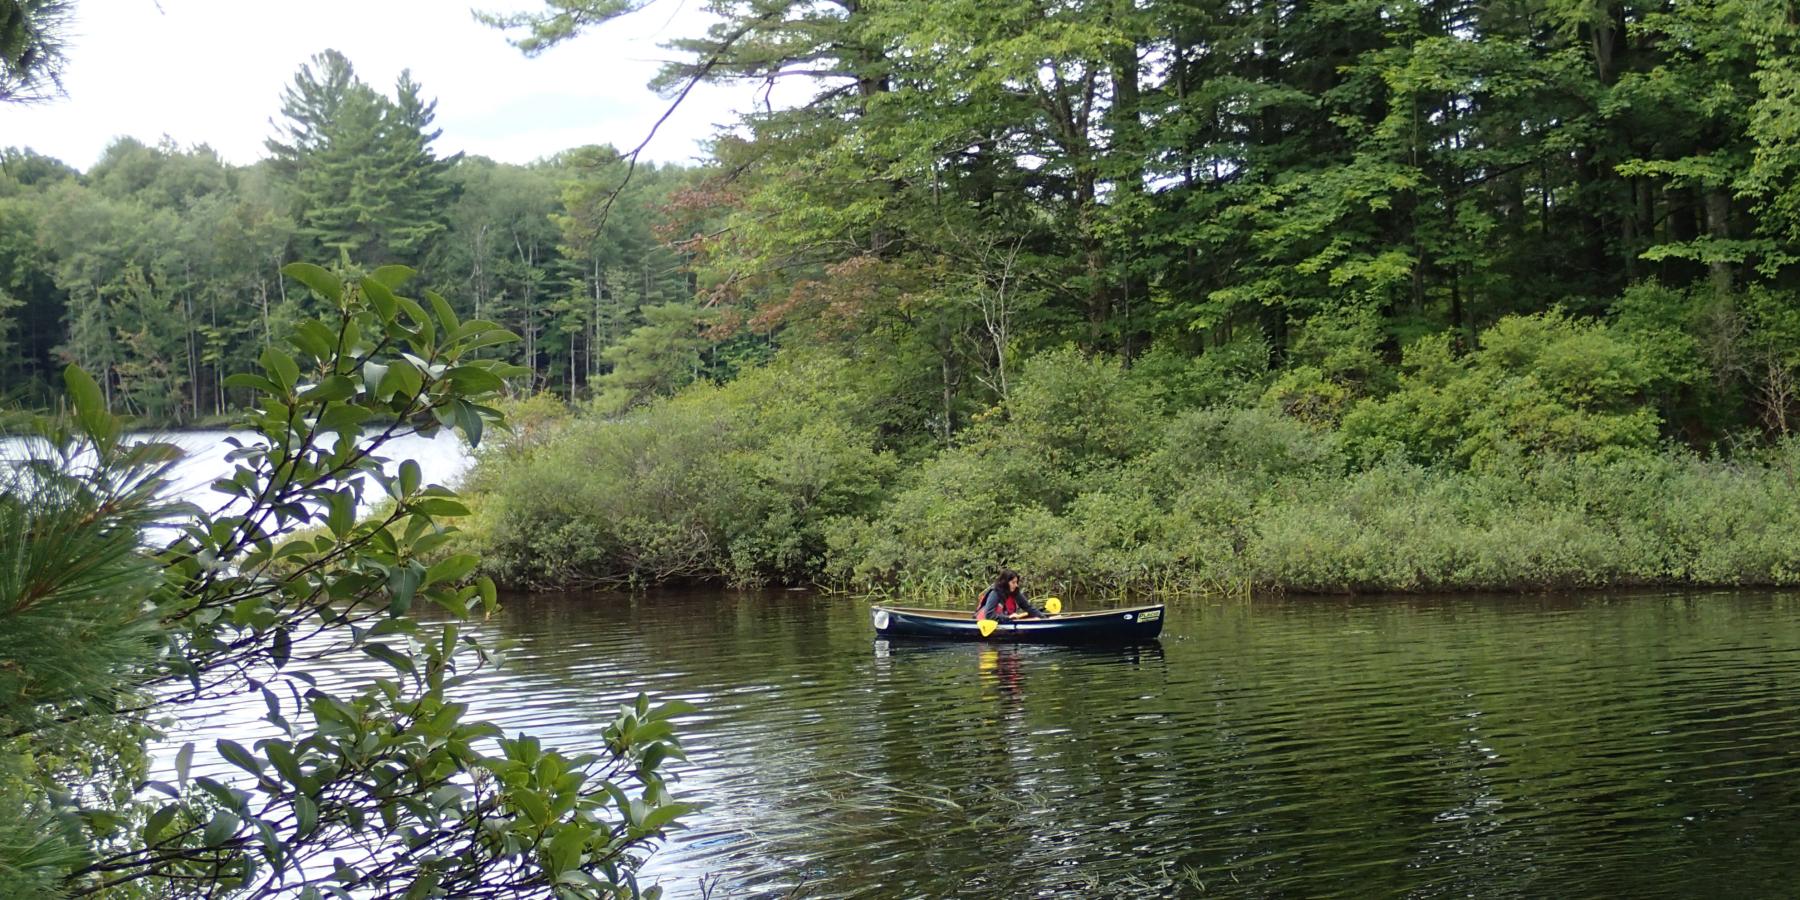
point(1149, 615)
point(881, 618)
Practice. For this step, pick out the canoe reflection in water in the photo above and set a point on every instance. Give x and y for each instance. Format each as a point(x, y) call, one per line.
point(1004, 666)
point(1000, 666)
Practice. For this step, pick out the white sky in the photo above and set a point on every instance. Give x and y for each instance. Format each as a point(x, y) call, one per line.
point(212, 72)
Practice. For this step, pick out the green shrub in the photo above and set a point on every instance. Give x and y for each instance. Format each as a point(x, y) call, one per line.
point(1234, 373)
point(1082, 483)
point(730, 483)
point(1335, 364)
point(1543, 384)
point(1079, 411)
point(1250, 443)
point(1235, 499)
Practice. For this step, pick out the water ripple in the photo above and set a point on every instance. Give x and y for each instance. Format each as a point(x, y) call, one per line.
point(1506, 747)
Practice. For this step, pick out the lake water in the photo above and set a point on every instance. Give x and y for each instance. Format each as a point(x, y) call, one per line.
point(1495, 747)
point(442, 459)
point(1596, 745)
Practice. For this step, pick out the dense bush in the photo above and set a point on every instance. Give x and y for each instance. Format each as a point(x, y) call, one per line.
point(1543, 384)
point(1564, 489)
point(1531, 462)
point(730, 483)
point(1294, 521)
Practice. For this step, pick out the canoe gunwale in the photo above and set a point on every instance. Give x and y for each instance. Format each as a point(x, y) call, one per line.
point(968, 615)
point(1134, 624)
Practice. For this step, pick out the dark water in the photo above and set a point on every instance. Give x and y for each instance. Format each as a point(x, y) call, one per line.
point(1531, 747)
point(1594, 746)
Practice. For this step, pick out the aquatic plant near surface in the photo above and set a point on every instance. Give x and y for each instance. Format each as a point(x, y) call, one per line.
point(381, 790)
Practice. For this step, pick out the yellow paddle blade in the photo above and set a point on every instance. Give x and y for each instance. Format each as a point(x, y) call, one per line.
point(986, 626)
point(1053, 606)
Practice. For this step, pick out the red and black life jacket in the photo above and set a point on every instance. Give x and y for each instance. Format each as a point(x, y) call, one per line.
point(1009, 603)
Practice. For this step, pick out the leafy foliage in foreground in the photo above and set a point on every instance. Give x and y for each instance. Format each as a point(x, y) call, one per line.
point(387, 790)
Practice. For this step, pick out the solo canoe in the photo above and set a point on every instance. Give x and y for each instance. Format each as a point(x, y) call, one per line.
point(1109, 626)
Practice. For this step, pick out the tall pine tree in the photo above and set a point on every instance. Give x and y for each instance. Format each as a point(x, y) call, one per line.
point(366, 182)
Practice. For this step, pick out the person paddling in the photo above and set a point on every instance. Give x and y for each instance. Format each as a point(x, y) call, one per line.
point(1003, 601)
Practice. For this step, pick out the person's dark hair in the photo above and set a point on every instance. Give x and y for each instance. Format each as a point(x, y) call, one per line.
point(1001, 583)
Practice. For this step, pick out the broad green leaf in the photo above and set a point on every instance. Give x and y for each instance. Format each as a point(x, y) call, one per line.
point(446, 316)
point(333, 388)
point(665, 814)
point(281, 756)
point(415, 312)
point(403, 584)
point(281, 368)
point(390, 656)
point(402, 379)
point(252, 381)
point(533, 805)
point(451, 570)
point(425, 885)
point(312, 337)
point(672, 709)
point(374, 374)
point(306, 816)
point(158, 822)
point(393, 277)
point(220, 829)
point(565, 849)
point(281, 648)
point(340, 418)
point(474, 380)
point(90, 405)
point(440, 506)
point(323, 282)
point(340, 512)
point(490, 339)
point(235, 754)
point(382, 298)
point(184, 758)
point(469, 420)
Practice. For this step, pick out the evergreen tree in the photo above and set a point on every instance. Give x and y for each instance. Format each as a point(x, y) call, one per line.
point(418, 183)
point(309, 104)
point(367, 184)
point(31, 48)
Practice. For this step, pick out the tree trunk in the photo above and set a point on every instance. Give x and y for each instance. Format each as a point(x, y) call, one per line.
point(1718, 227)
point(1128, 163)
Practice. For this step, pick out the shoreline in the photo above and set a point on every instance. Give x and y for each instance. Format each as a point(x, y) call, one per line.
point(690, 590)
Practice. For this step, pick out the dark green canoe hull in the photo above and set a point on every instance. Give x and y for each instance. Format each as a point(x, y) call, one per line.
point(1116, 626)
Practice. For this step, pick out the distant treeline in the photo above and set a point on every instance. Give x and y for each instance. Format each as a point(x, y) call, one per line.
point(157, 268)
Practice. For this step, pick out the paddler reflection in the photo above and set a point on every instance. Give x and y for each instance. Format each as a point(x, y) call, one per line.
point(1000, 665)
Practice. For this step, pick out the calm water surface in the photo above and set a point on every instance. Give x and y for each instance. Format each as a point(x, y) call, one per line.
point(1636, 746)
point(1561, 746)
